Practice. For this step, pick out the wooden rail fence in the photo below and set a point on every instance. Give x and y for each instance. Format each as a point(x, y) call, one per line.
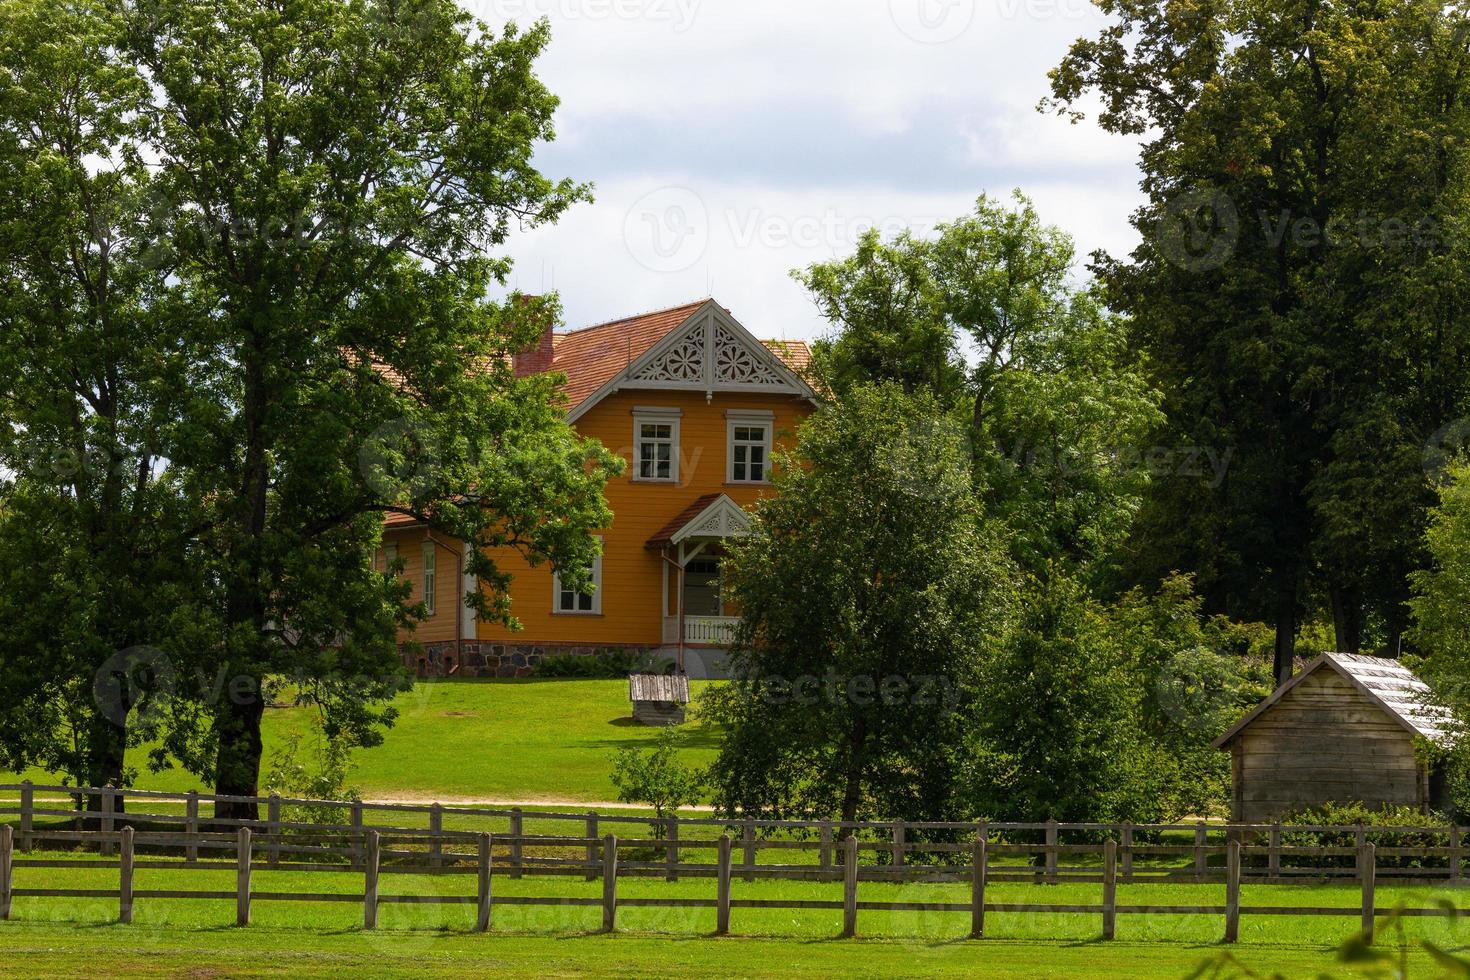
point(980, 854)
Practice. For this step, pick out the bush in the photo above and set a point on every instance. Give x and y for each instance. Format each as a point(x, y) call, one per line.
point(613, 665)
point(321, 778)
point(657, 778)
point(1349, 816)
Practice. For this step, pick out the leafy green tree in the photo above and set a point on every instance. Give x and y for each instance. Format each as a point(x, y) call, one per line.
point(870, 589)
point(1059, 411)
point(92, 523)
point(321, 186)
point(657, 778)
point(1288, 315)
point(1441, 600)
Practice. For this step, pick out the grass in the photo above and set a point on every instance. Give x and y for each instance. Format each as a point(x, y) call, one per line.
point(479, 740)
point(70, 936)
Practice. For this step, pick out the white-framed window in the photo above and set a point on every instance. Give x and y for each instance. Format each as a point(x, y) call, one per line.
point(390, 555)
point(656, 445)
point(749, 440)
point(566, 601)
point(430, 577)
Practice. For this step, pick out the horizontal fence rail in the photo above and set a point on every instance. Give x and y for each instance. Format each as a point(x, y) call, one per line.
point(377, 840)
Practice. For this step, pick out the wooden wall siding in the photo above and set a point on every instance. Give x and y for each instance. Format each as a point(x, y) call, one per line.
point(1323, 741)
point(448, 590)
point(632, 607)
point(632, 576)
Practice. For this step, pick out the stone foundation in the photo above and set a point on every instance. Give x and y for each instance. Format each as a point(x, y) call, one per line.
point(474, 658)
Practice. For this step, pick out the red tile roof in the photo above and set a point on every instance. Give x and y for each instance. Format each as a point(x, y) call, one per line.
point(593, 356)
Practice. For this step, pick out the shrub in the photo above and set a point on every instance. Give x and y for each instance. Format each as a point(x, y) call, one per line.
point(323, 777)
point(657, 778)
point(612, 665)
point(1349, 816)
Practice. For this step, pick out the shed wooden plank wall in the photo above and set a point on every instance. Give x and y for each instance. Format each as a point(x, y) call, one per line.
point(1323, 741)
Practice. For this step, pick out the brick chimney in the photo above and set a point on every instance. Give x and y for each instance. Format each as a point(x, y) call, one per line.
point(537, 359)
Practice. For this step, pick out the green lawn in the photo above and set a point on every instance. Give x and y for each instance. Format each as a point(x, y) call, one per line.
point(169, 937)
point(481, 740)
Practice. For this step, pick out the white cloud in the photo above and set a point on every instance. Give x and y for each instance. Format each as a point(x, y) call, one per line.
point(781, 127)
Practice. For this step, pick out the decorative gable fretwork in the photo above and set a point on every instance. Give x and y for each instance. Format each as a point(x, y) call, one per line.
point(724, 519)
point(737, 364)
point(710, 353)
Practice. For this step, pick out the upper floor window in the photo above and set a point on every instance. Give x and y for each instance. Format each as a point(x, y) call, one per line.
point(431, 582)
point(750, 447)
point(656, 444)
point(568, 601)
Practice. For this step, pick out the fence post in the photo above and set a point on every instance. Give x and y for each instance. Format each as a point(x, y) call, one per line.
point(273, 816)
point(487, 869)
point(1454, 852)
point(125, 879)
point(1201, 861)
point(749, 841)
point(370, 883)
point(1366, 870)
point(1110, 889)
point(592, 845)
point(357, 835)
point(977, 890)
point(722, 900)
point(191, 825)
point(1127, 835)
point(242, 878)
point(27, 814)
point(827, 845)
point(436, 840)
point(671, 850)
point(1274, 860)
point(849, 887)
point(1232, 891)
point(899, 837)
point(517, 828)
point(610, 883)
point(108, 825)
point(1051, 852)
point(7, 870)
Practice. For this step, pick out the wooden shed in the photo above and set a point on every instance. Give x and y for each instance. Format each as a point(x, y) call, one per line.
point(658, 699)
point(1343, 730)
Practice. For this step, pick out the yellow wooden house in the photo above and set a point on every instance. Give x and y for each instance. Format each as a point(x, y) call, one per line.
point(696, 405)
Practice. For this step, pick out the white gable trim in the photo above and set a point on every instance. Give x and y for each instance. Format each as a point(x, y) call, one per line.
point(723, 518)
point(709, 352)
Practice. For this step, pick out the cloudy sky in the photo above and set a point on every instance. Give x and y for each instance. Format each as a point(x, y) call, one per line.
point(731, 141)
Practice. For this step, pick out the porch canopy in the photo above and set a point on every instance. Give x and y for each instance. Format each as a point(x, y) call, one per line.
point(704, 523)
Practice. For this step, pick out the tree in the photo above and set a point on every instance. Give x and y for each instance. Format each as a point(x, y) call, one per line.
point(869, 590)
point(1058, 411)
point(1441, 600)
point(327, 183)
point(92, 538)
point(657, 778)
point(1287, 315)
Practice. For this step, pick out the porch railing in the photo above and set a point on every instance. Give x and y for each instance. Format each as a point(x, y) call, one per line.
point(713, 630)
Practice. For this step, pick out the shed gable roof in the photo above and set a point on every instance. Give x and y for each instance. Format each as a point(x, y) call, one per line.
point(1386, 683)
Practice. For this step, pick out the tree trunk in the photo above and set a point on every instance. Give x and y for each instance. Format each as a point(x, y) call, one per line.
point(107, 745)
point(237, 763)
point(1347, 617)
point(1286, 602)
